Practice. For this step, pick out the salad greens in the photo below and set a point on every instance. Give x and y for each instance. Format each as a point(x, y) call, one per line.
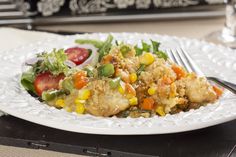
point(54, 62)
point(27, 81)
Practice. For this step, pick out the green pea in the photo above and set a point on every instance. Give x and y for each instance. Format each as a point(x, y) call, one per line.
point(106, 70)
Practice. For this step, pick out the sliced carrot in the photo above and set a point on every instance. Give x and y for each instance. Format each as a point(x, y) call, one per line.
point(218, 91)
point(180, 72)
point(148, 103)
point(107, 59)
point(80, 83)
point(80, 74)
point(124, 75)
point(130, 89)
point(167, 80)
point(80, 79)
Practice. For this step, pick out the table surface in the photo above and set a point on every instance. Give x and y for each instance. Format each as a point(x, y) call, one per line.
point(197, 28)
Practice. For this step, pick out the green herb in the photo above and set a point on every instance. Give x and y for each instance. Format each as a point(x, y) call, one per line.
point(98, 44)
point(54, 62)
point(146, 47)
point(155, 46)
point(51, 95)
point(104, 50)
point(161, 54)
point(114, 83)
point(106, 70)
point(27, 81)
point(138, 51)
point(141, 69)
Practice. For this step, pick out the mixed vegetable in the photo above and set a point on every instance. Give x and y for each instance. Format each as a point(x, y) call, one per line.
point(106, 78)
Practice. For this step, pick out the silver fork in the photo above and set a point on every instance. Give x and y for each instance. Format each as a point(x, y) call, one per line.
point(182, 58)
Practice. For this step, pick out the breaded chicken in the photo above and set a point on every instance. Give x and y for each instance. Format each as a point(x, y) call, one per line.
point(105, 101)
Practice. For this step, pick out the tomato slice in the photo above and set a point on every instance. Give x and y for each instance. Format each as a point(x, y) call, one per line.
point(46, 81)
point(77, 55)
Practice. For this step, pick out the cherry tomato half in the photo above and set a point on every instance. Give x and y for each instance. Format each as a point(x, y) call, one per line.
point(46, 81)
point(77, 55)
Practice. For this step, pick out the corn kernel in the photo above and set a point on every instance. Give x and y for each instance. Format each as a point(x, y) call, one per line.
point(80, 109)
point(121, 89)
point(160, 110)
point(151, 90)
point(133, 77)
point(147, 59)
point(133, 101)
point(84, 94)
point(60, 103)
point(173, 90)
point(68, 109)
point(79, 101)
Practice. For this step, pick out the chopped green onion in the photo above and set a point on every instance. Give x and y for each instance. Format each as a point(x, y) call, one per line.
point(67, 85)
point(50, 95)
point(141, 69)
point(114, 83)
point(89, 69)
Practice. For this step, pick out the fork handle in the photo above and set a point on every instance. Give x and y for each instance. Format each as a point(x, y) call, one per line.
point(228, 85)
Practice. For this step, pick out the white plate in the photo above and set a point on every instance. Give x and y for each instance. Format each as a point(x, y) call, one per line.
point(214, 61)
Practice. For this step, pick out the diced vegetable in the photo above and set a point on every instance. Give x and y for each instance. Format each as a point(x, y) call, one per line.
point(179, 71)
point(60, 103)
point(114, 83)
point(133, 77)
point(80, 80)
point(160, 110)
point(147, 59)
point(133, 101)
point(51, 95)
point(124, 49)
point(152, 91)
point(80, 109)
point(106, 70)
point(89, 69)
point(84, 94)
point(141, 69)
point(130, 90)
point(148, 103)
point(67, 85)
point(218, 91)
point(167, 80)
